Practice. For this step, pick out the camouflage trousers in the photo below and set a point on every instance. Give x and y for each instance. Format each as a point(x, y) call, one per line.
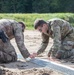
point(7, 53)
point(66, 51)
point(67, 47)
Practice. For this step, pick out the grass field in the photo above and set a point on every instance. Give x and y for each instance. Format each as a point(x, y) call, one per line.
point(30, 18)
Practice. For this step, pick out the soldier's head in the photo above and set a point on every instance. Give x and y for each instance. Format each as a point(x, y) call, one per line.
point(23, 25)
point(41, 25)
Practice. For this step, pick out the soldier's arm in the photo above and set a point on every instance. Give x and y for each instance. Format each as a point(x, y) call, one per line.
point(19, 37)
point(57, 37)
point(45, 40)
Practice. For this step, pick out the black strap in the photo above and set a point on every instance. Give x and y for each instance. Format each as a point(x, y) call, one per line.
point(3, 36)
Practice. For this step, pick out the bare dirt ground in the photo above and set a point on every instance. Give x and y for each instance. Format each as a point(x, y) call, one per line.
point(32, 41)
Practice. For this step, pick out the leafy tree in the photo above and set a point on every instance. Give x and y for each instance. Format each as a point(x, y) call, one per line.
point(41, 6)
point(36, 6)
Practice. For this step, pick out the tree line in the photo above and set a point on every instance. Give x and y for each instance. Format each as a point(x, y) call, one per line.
point(36, 6)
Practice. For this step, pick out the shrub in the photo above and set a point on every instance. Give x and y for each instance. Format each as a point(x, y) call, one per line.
point(30, 18)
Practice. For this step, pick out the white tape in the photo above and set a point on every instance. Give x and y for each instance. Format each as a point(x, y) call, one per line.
point(28, 59)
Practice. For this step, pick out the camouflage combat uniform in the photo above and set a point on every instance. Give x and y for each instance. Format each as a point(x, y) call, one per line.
point(63, 38)
point(11, 29)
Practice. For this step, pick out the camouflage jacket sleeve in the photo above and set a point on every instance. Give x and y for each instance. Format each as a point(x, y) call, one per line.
point(45, 40)
point(19, 37)
point(57, 37)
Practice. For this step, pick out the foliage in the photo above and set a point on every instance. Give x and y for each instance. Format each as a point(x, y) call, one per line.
point(29, 19)
point(36, 6)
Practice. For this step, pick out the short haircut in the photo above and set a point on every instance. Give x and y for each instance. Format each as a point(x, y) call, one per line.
point(23, 24)
point(39, 22)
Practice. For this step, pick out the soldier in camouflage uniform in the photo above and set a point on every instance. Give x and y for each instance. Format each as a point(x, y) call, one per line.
point(63, 37)
point(11, 29)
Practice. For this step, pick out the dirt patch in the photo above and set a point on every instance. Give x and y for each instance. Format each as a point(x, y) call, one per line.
point(42, 71)
point(34, 71)
point(21, 67)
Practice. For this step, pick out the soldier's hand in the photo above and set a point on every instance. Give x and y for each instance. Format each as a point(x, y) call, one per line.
point(33, 55)
point(49, 54)
point(30, 57)
point(53, 59)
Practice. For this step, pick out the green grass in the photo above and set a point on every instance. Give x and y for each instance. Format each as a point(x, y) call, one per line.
point(29, 19)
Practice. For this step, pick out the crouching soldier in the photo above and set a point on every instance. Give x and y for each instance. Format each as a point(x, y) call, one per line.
point(63, 37)
point(11, 29)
